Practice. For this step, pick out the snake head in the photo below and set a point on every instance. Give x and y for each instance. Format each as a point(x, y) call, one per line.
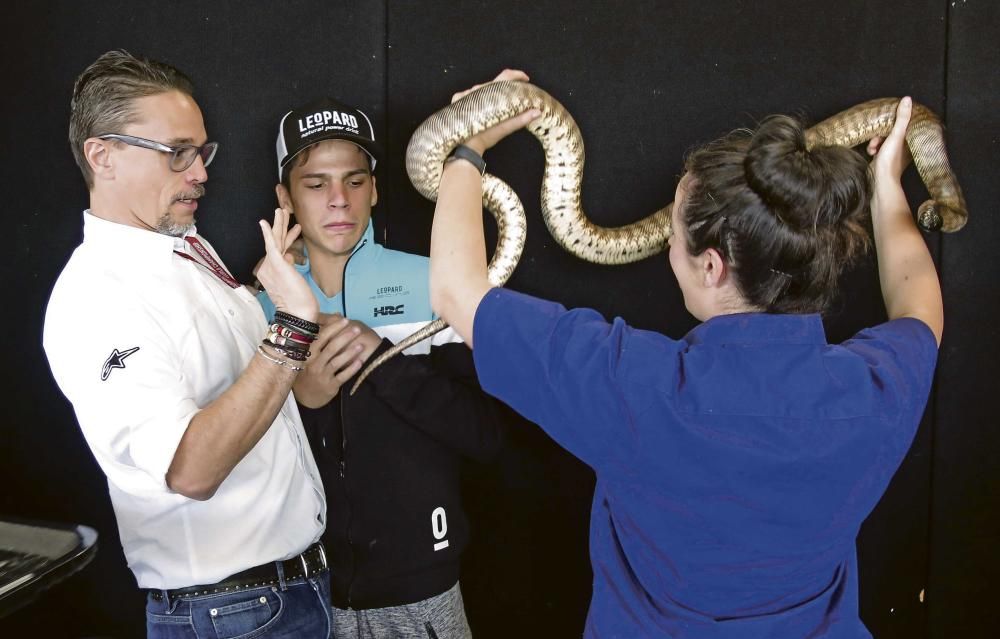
point(928, 217)
point(947, 214)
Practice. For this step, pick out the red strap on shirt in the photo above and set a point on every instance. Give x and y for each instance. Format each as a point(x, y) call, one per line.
point(210, 262)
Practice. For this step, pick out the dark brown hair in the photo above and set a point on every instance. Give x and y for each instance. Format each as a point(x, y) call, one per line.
point(104, 95)
point(301, 158)
point(786, 220)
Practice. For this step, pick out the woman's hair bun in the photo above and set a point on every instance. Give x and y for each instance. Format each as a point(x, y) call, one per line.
point(804, 188)
point(780, 170)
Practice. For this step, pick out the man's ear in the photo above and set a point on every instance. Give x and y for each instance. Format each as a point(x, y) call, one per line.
point(284, 197)
point(713, 268)
point(98, 157)
point(374, 192)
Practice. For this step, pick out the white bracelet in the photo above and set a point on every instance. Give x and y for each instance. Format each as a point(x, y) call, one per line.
point(275, 360)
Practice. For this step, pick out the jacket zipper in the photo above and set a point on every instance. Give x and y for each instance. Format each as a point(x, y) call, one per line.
point(350, 512)
point(343, 307)
point(343, 424)
point(343, 433)
point(343, 276)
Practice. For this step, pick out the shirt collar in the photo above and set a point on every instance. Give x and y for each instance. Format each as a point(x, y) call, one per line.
point(137, 244)
point(746, 328)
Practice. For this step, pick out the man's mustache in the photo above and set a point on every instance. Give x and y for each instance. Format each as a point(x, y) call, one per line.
point(194, 194)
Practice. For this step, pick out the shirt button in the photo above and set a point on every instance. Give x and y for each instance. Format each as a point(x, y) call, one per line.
point(263, 600)
point(214, 612)
point(232, 313)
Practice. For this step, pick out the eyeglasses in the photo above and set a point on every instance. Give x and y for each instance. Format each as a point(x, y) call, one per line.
point(181, 156)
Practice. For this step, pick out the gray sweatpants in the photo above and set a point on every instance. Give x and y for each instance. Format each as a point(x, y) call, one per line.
point(440, 617)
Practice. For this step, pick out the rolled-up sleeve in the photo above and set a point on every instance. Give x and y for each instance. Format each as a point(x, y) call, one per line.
point(123, 376)
point(900, 355)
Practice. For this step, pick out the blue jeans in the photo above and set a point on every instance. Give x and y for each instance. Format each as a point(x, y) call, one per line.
point(296, 609)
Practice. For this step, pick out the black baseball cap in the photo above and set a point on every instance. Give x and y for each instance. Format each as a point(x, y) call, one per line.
point(324, 119)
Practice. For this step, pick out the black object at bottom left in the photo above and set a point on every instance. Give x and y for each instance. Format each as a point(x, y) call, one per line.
point(34, 556)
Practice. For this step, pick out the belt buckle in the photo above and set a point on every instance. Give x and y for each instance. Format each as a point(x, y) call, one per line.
point(305, 563)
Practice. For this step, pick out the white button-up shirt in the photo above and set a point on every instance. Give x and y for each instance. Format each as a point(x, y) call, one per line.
point(140, 339)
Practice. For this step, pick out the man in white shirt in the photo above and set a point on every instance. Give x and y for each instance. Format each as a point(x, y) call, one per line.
point(218, 500)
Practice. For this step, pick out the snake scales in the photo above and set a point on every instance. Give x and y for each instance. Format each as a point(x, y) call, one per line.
point(563, 212)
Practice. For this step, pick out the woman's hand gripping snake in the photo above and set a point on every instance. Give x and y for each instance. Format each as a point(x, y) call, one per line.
point(562, 208)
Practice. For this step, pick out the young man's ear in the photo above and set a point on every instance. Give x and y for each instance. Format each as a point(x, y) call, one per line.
point(284, 197)
point(98, 157)
point(374, 192)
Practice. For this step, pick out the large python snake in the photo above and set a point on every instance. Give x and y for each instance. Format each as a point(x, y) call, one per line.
point(563, 212)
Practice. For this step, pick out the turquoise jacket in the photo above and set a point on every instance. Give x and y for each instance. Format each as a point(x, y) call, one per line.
point(396, 526)
point(385, 289)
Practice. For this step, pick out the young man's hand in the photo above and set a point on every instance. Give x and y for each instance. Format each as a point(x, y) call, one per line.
point(342, 348)
point(296, 249)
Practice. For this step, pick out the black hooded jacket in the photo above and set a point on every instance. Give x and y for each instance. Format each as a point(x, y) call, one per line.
point(390, 458)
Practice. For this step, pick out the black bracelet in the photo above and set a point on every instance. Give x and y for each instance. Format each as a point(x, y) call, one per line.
point(296, 322)
point(285, 344)
point(290, 353)
point(462, 152)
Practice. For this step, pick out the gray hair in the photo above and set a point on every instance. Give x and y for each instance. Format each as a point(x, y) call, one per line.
point(104, 95)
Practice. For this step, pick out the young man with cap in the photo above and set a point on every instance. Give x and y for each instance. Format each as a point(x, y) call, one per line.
point(390, 455)
point(188, 412)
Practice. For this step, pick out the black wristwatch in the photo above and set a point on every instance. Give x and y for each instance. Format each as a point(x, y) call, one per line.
point(462, 152)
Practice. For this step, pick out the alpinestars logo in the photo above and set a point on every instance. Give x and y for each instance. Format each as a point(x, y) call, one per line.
point(388, 310)
point(116, 360)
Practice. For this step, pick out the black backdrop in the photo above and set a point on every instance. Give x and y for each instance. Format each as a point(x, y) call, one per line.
point(645, 81)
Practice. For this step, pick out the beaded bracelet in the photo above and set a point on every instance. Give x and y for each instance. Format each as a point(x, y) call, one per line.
point(280, 340)
point(275, 360)
point(284, 331)
point(296, 322)
point(297, 350)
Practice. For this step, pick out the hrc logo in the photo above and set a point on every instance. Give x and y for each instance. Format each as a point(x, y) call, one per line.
point(388, 310)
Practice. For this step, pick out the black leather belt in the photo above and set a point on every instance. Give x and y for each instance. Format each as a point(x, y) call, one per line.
point(309, 564)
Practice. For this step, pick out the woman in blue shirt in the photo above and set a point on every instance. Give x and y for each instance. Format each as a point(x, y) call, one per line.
point(735, 465)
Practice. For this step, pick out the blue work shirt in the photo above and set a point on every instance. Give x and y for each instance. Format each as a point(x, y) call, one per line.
point(734, 466)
